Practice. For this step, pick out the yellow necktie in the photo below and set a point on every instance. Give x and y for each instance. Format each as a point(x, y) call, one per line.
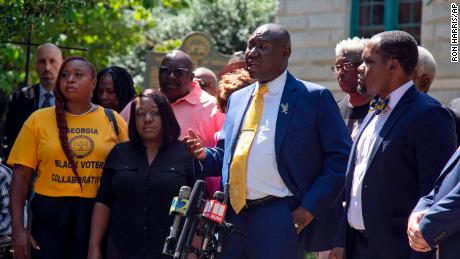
point(240, 157)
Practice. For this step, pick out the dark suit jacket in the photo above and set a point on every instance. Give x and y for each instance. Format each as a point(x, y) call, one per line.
point(312, 145)
point(441, 223)
point(23, 103)
point(411, 149)
point(456, 117)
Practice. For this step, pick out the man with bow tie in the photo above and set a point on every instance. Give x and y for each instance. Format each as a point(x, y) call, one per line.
point(283, 149)
point(398, 153)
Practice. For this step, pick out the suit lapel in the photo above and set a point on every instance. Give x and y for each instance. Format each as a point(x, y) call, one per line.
point(284, 116)
point(446, 170)
point(401, 107)
point(36, 98)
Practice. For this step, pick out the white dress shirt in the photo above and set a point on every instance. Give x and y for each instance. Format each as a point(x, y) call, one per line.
point(263, 178)
point(363, 150)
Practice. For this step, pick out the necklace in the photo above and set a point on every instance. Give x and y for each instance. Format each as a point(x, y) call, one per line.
point(83, 114)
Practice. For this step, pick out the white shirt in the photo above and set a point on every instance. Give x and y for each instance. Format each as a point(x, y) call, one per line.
point(363, 151)
point(263, 178)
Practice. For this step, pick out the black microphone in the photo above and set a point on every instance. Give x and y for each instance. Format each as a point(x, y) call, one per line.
point(178, 207)
point(195, 206)
point(221, 231)
point(214, 212)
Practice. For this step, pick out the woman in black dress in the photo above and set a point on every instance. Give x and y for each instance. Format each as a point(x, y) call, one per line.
point(140, 179)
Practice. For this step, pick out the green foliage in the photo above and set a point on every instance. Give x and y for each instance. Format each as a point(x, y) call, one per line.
point(118, 32)
point(13, 61)
point(229, 22)
point(109, 30)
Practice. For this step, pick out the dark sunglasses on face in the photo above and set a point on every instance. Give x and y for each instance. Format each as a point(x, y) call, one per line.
point(346, 66)
point(178, 72)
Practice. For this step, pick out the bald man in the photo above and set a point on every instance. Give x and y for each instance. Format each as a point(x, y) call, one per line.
point(26, 100)
point(283, 150)
point(194, 108)
point(206, 79)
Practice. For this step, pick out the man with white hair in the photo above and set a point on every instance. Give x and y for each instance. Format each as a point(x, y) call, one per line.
point(425, 70)
point(423, 78)
point(355, 105)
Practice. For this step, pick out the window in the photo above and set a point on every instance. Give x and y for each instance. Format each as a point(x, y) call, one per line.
point(369, 17)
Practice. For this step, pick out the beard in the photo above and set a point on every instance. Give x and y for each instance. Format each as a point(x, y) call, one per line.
point(361, 89)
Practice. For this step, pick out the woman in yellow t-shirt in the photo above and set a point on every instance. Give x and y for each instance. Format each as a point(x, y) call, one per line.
point(66, 146)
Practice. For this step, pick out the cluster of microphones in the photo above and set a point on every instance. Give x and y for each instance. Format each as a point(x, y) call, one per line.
point(195, 216)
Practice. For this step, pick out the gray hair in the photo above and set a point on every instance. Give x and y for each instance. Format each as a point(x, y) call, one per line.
point(355, 45)
point(426, 64)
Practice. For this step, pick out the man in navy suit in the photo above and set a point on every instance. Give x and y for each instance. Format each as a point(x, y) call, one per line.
point(397, 155)
point(435, 220)
point(296, 163)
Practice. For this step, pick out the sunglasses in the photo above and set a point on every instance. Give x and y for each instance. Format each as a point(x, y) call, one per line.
point(178, 72)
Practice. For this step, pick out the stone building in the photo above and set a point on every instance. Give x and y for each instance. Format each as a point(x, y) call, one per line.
point(317, 26)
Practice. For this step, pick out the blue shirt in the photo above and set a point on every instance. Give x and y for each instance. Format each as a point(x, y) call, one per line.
point(42, 97)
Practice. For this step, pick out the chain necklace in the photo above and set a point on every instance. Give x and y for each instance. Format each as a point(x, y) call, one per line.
point(93, 106)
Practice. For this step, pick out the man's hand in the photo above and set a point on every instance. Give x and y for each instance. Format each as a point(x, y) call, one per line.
point(336, 253)
point(194, 145)
point(21, 244)
point(301, 217)
point(416, 240)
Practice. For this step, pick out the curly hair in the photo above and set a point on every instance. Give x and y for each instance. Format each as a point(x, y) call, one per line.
point(122, 83)
point(60, 114)
point(230, 83)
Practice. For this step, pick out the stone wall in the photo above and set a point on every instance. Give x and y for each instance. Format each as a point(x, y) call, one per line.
point(317, 26)
point(436, 38)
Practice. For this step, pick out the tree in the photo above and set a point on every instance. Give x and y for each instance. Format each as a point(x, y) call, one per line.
point(229, 22)
point(109, 30)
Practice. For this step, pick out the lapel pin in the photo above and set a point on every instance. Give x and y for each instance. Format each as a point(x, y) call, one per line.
point(284, 108)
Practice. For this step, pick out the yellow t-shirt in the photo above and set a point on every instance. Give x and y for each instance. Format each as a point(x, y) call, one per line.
point(91, 137)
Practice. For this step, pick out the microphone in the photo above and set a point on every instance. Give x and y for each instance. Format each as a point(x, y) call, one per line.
point(215, 209)
point(214, 212)
point(194, 208)
point(222, 231)
point(178, 208)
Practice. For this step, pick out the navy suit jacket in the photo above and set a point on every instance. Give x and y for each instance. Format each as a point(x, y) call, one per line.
point(441, 223)
point(412, 147)
point(312, 145)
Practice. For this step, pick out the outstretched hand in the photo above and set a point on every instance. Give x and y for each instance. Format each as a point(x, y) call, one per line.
point(194, 145)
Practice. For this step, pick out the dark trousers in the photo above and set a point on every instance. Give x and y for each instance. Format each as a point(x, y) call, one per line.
point(358, 246)
point(61, 226)
point(270, 233)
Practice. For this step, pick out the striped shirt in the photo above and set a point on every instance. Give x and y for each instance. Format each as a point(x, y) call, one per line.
point(5, 218)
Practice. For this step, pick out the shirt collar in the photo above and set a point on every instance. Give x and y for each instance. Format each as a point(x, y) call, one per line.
point(43, 91)
point(276, 85)
point(397, 94)
point(193, 97)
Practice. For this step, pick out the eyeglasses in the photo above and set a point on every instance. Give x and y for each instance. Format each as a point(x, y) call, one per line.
point(178, 72)
point(346, 66)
